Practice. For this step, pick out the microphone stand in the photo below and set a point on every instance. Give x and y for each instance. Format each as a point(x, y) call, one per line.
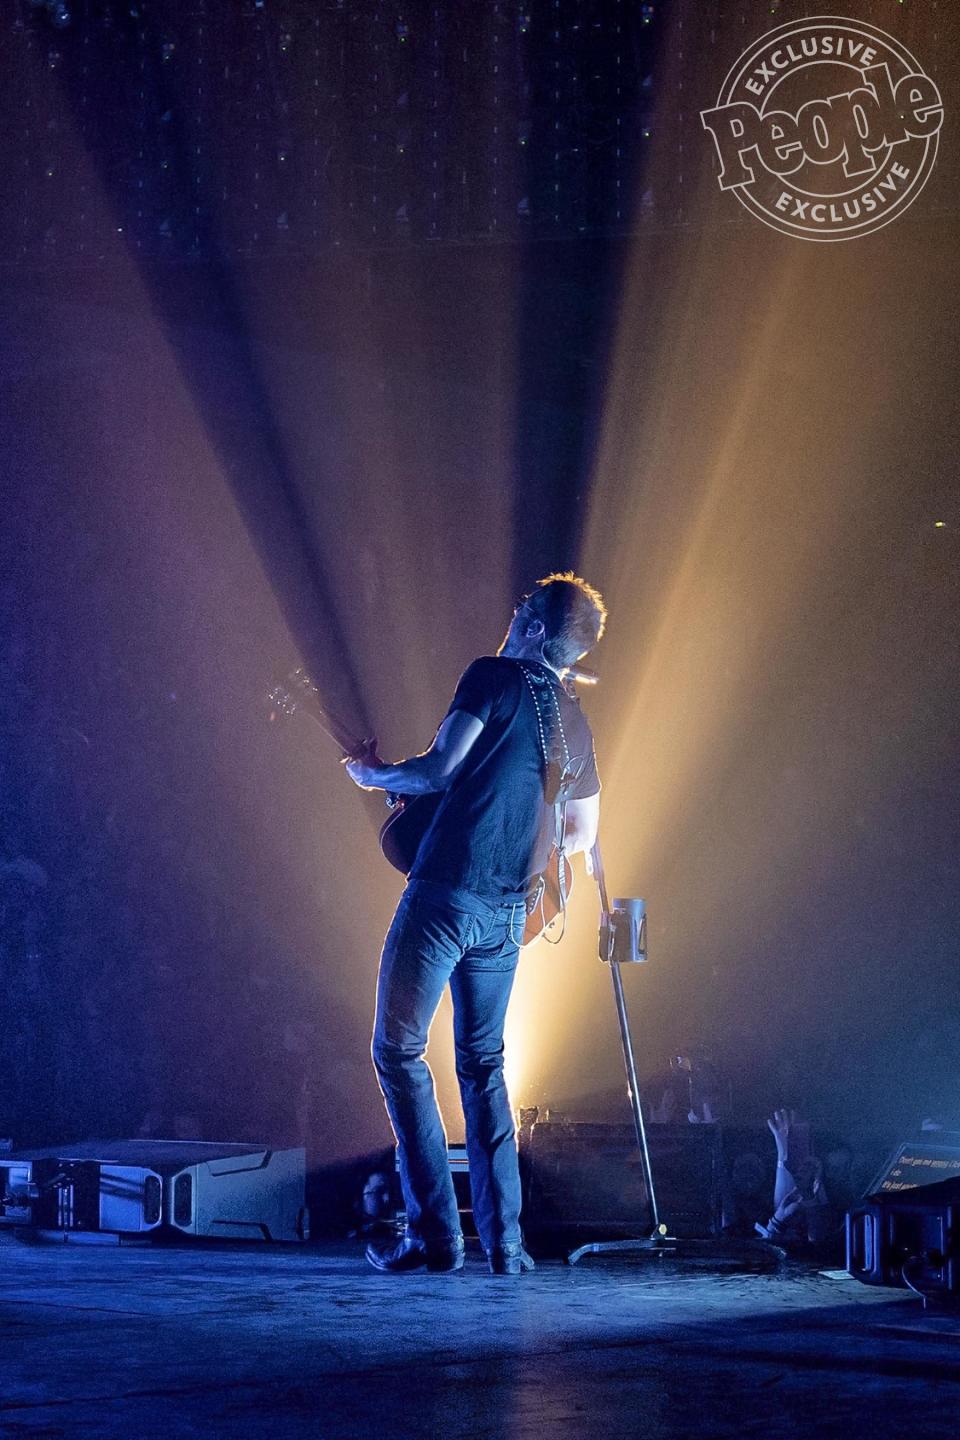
point(657, 1241)
point(608, 954)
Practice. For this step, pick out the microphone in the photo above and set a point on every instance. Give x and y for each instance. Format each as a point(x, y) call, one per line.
point(581, 675)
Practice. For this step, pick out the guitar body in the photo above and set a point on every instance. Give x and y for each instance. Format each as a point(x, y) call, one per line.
point(554, 889)
point(405, 827)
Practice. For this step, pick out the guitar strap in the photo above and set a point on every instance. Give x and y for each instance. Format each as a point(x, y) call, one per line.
point(557, 767)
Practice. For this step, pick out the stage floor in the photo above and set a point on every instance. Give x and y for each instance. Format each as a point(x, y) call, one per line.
point(311, 1342)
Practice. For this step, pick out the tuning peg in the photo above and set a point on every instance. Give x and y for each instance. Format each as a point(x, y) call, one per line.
point(300, 677)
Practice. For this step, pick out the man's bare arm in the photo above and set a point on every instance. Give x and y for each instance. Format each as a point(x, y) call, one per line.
point(581, 820)
point(422, 774)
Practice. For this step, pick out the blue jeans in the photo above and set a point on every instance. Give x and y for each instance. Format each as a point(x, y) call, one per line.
point(440, 935)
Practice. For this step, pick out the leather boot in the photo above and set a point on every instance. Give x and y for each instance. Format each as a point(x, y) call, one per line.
point(411, 1253)
point(509, 1260)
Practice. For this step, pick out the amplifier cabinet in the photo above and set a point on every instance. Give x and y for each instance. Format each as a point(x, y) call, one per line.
point(583, 1177)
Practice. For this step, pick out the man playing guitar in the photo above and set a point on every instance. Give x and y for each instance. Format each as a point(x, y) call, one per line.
point(514, 759)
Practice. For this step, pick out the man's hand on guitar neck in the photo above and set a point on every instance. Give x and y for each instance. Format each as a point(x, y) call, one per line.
point(364, 774)
point(422, 774)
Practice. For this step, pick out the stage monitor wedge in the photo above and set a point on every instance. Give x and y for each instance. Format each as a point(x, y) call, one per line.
point(158, 1187)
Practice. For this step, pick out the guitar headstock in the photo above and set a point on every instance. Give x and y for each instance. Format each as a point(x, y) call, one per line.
point(281, 702)
point(291, 694)
point(298, 695)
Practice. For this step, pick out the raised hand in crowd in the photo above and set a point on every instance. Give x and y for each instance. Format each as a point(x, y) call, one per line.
point(792, 1137)
point(801, 1206)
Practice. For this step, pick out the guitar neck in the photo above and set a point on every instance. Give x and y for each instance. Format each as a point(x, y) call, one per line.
point(597, 861)
point(299, 695)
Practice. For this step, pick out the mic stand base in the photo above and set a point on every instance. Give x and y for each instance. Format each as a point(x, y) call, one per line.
point(757, 1254)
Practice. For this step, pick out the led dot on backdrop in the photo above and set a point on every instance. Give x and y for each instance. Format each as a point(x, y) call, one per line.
point(364, 123)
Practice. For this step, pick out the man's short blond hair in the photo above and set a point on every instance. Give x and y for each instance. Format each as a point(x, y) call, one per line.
point(573, 615)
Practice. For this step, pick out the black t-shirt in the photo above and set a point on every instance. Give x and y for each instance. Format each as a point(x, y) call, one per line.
point(495, 824)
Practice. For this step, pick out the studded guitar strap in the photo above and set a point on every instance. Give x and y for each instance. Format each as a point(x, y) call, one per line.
point(555, 755)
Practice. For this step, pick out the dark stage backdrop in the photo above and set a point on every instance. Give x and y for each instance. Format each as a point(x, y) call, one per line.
point(356, 457)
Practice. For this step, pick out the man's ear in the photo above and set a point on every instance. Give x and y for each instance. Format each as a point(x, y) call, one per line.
point(534, 629)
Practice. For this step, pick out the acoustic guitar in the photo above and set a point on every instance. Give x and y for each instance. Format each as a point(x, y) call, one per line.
point(411, 815)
